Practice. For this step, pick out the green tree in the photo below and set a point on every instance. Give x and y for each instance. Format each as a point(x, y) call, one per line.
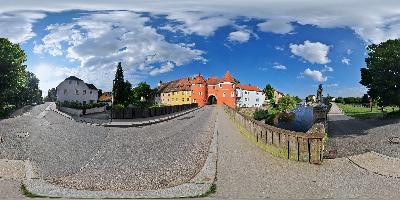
point(269, 94)
point(100, 92)
point(297, 99)
point(119, 86)
point(382, 74)
point(13, 76)
point(143, 90)
point(365, 98)
point(31, 93)
point(286, 103)
point(52, 95)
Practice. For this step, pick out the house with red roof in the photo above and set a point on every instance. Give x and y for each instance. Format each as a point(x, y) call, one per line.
point(214, 90)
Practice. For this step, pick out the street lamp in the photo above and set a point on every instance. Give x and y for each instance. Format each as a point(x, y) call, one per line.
point(112, 101)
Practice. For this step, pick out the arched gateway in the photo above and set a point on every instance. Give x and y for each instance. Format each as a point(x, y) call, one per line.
point(212, 100)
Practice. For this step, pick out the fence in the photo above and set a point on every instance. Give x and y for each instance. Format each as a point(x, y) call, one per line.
point(133, 113)
point(305, 147)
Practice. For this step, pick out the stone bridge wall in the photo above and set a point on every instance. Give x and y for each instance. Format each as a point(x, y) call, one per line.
point(305, 147)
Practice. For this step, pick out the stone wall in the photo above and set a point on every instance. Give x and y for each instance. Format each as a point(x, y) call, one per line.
point(305, 147)
point(133, 113)
point(72, 111)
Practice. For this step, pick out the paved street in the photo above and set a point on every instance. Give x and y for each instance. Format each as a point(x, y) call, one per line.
point(247, 172)
point(349, 136)
point(81, 156)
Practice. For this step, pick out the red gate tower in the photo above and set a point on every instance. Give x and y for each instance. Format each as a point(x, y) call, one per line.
point(226, 91)
point(199, 91)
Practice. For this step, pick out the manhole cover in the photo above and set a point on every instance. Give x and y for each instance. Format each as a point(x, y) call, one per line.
point(22, 134)
point(394, 140)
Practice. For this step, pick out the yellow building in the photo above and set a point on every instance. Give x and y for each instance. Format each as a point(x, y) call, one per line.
point(177, 92)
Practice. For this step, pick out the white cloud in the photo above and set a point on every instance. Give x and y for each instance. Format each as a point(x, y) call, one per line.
point(17, 26)
point(279, 48)
point(381, 23)
point(50, 75)
point(327, 69)
point(349, 51)
point(278, 26)
point(346, 61)
point(279, 66)
point(333, 85)
point(315, 75)
point(240, 36)
point(98, 41)
point(314, 52)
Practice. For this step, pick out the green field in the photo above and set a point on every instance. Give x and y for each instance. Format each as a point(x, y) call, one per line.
point(366, 113)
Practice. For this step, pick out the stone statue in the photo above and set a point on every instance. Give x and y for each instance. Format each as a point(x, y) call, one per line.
point(319, 93)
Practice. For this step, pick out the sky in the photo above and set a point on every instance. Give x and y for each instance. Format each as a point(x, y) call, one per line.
point(291, 45)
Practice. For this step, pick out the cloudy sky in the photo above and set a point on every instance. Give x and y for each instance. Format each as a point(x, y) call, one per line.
point(293, 46)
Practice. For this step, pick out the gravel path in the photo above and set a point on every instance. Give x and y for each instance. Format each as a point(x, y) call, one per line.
point(81, 156)
point(246, 172)
point(349, 136)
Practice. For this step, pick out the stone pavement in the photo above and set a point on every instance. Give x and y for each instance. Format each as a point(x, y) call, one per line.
point(245, 171)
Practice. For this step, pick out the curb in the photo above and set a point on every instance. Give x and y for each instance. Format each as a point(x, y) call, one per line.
point(132, 124)
point(201, 185)
point(149, 122)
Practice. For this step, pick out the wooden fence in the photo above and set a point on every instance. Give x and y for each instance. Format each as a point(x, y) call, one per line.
point(305, 147)
point(133, 113)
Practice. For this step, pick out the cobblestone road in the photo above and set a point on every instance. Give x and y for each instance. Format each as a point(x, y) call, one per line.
point(81, 156)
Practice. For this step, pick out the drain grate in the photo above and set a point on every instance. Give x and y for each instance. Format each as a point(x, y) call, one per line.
point(394, 140)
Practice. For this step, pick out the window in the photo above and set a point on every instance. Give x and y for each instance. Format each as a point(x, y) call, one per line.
point(65, 91)
point(220, 86)
point(77, 92)
point(188, 99)
point(77, 82)
point(223, 94)
point(257, 100)
point(232, 94)
point(91, 101)
point(199, 93)
point(169, 94)
point(183, 99)
point(84, 102)
point(70, 82)
point(214, 87)
point(183, 93)
point(90, 91)
point(245, 99)
point(84, 92)
point(245, 92)
point(233, 86)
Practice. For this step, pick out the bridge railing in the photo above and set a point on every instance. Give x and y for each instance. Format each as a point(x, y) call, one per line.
point(305, 147)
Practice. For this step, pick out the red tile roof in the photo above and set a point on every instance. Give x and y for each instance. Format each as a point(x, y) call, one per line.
point(199, 79)
point(227, 78)
point(248, 87)
point(212, 80)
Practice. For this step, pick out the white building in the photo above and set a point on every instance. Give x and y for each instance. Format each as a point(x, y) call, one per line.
point(249, 96)
point(74, 89)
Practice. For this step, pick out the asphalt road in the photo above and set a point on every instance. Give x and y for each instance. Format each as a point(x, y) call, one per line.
point(82, 156)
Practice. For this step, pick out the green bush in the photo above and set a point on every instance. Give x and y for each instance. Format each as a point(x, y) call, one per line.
point(78, 105)
point(119, 106)
point(260, 114)
point(5, 111)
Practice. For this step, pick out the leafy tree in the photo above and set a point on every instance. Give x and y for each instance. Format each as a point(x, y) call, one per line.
point(51, 95)
point(31, 93)
point(260, 114)
point(119, 86)
point(365, 98)
point(382, 74)
point(297, 99)
point(100, 92)
point(142, 90)
point(13, 76)
point(286, 103)
point(339, 100)
point(269, 94)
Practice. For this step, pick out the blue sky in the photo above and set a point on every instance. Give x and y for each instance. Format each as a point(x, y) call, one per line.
point(293, 48)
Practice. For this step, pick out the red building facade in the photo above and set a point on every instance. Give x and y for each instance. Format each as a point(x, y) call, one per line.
point(214, 90)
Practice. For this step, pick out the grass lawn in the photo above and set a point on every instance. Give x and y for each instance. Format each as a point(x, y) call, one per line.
point(366, 113)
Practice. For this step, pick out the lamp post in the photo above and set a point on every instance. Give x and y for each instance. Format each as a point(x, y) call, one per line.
point(112, 101)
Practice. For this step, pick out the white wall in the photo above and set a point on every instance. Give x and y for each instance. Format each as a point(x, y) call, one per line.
point(247, 98)
point(70, 86)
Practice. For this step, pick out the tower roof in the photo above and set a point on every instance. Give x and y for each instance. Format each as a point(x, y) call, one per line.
point(199, 79)
point(227, 78)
